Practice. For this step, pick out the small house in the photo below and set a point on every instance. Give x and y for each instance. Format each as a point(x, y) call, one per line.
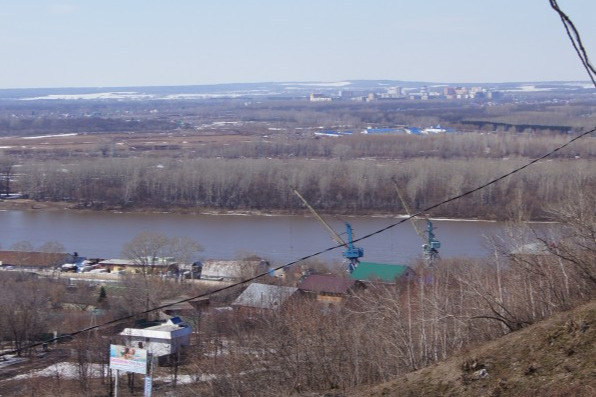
point(233, 271)
point(264, 297)
point(33, 260)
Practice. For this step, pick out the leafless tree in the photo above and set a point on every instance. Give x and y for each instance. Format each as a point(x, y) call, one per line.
point(6, 173)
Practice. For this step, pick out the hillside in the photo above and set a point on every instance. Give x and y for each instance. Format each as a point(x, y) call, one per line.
point(556, 357)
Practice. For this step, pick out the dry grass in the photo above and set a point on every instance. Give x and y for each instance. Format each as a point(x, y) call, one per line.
point(552, 358)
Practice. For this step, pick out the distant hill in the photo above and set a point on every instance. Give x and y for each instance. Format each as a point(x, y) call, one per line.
point(293, 89)
point(556, 357)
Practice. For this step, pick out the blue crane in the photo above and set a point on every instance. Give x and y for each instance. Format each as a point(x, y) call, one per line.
point(430, 248)
point(432, 245)
point(351, 253)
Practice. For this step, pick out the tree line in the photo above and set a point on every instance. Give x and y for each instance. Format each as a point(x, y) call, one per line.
point(330, 185)
point(401, 147)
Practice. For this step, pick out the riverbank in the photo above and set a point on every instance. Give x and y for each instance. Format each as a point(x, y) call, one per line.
point(33, 205)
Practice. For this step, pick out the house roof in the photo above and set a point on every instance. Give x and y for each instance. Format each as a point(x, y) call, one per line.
point(264, 296)
point(327, 284)
point(214, 269)
point(37, 259)
point(369, 271)
point(174, 304)
point(536, 248)
point(169, 330)
point(116, 262)
point(156, 262)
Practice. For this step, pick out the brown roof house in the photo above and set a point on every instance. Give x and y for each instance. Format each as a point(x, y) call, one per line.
point(329, 289)
point(33, 260)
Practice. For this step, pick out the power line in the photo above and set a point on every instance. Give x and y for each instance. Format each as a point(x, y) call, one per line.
point(576, 41)
point(579, 48)
point(206, 294)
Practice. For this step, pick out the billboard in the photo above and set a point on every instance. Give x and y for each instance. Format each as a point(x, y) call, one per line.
point(128, 358)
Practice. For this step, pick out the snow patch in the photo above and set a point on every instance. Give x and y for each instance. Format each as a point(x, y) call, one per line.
point(98, 95)
point(50, 136)
point(330, 84)
point(64, 370)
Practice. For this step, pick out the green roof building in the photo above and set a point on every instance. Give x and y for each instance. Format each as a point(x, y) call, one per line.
point(369, 271)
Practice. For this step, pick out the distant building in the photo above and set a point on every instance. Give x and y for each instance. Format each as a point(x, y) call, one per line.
point(319, 98)
point(449, 92)
point(461, 93)
point(382, 131)
point(413, 130)
point(434, 130)
point(394, 92)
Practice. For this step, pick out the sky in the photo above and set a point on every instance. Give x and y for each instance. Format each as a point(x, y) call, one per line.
point(115, 43)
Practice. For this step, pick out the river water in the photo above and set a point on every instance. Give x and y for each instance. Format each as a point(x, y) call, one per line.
point(280, 239)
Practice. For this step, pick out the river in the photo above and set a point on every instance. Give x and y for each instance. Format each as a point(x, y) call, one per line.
point(280, 239)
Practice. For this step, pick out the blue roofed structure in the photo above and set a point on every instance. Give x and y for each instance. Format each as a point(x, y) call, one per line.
point(370, 271)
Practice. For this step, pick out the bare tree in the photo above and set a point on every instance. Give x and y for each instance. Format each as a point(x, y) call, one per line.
point(154, 253)
point(577, 243)
point(146, 250)
point(6, 173)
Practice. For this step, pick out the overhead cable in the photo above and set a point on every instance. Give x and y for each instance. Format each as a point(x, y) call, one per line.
point(576, 41)
point(250, 279)
point(575, 38)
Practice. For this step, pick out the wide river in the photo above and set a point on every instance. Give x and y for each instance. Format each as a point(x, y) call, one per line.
point(280, 239)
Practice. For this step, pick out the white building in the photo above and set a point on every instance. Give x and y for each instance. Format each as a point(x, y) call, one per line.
point(319, 98)
point(232, 271)
point(159, 340)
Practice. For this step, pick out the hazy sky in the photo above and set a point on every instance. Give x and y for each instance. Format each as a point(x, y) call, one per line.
point(179, 42)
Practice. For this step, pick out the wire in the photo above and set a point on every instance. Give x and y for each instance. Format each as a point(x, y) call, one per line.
point(576, 41)
point(579, 48)
point(227, 287)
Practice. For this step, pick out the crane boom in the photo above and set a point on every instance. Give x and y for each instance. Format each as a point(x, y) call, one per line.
point(405, 205)
point(431, 245)
point(351, 253)
point(334, 235)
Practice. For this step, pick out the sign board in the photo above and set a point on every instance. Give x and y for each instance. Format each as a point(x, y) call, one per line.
point(128, 358)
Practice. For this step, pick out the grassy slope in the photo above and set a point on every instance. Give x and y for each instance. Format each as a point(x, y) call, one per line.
point(556, 357)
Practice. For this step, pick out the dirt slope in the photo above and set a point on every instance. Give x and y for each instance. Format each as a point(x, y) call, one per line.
point(556, 357)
